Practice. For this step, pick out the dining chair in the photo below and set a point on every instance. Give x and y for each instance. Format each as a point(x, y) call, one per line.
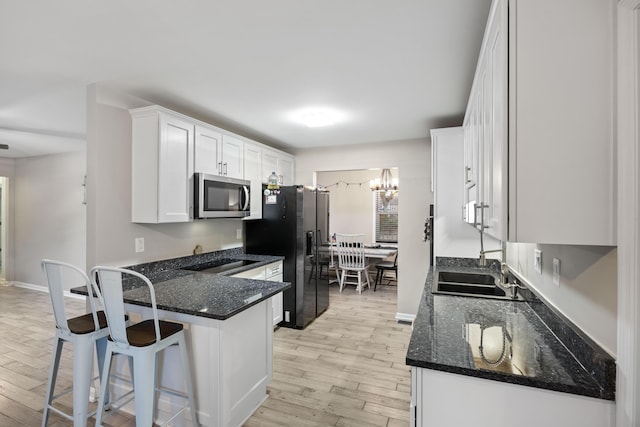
point(383, 267)
point(142, 342)
point(83, 332)
point(351, 261)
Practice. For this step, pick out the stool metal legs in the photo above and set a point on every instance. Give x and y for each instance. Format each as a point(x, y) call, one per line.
point(82, 375)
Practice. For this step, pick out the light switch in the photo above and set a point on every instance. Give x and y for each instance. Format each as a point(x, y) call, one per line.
point(537, 261)
point(238, 233)
point(556, 271)
point(139, 244)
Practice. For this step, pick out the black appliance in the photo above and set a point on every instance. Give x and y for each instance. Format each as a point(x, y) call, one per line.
point(294, 224)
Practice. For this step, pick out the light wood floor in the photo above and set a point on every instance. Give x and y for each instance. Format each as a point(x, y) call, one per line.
point(345, 369)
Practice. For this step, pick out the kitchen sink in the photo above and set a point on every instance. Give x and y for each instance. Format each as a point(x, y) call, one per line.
point(219, 265)
point(480, 285)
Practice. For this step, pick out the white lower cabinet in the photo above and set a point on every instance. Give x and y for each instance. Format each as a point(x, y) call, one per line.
point(445, 399)
point(273, 273)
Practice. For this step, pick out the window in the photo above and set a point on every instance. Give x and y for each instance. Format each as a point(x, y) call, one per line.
point(386, 219)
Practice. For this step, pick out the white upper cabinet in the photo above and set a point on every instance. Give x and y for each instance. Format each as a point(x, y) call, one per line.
point(208, 149)
point(218, 153)
point(539, 124)
point(162, 166)
point(232, 157)
point(168, 147)
point(253, 173)
point(281, 163)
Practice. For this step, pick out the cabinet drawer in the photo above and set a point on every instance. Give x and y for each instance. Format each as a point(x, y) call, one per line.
point(254, 273)
point(273, 269)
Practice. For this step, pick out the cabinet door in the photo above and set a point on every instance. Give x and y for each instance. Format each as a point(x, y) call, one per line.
point(257, 273)
point(269, 164)
point(253, 173)
point(286, 168)
point(175, 174)
point(232, 157)
point(495, 155)
point(208, 146)
point(471, 163)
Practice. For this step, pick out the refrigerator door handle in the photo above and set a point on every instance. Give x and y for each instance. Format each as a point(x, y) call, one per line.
point(309, 243)
point(284, 208)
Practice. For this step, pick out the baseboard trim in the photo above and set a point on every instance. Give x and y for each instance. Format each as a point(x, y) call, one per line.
point(42, 289)
point(405, 318)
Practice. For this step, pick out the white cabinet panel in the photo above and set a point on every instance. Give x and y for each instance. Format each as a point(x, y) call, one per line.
point(207, 142)
point(253, 173)
point(162, 167)
point(218, 153)
point(207, 159)
point(539, 124)
point(494, 403)
point(282, 164)
point(273, 273)
point(232, 157)
point(269, 164)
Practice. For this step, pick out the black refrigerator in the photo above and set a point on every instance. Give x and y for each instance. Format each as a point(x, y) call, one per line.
point(294, 224)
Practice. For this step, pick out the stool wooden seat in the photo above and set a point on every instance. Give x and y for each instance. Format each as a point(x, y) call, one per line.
point(83, 332)
point(141, 342)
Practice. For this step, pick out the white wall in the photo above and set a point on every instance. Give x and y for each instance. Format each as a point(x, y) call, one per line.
point(50, 219)
point(587, 294)
point(110, 232)
point(412, 158)
point(7, 170)
point(351, 205)
point(452, 237)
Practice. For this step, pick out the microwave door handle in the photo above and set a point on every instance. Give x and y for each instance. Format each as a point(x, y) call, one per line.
point(245, 192)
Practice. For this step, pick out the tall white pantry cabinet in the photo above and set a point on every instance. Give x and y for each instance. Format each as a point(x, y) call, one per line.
point(539, 135)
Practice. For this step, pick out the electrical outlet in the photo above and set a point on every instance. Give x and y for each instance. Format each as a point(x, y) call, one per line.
point(238, 233)
point(556, 271)
point(537, 261)
point(139, 244)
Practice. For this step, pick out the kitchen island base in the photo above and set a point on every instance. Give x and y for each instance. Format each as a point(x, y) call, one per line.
point(231, 363)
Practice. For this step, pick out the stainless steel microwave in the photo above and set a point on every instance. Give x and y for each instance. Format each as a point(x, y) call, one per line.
point(221, 197)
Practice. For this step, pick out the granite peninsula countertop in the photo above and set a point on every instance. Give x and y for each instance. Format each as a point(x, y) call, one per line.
point(507, 341)
point(204, 294)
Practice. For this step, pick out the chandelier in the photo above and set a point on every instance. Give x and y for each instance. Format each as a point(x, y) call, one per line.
point(387, 185)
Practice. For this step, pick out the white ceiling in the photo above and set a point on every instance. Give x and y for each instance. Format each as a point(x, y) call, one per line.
point(393, 69)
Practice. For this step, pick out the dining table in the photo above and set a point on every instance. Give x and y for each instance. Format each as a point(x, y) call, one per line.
point(374, 252)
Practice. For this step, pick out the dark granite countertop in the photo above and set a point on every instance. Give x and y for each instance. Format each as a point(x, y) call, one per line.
point(505, 341)
point(213, 295)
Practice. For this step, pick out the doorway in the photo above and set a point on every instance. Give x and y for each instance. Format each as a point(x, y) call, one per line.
point(355, 209)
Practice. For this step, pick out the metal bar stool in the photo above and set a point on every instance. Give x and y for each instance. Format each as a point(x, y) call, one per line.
point(141, 342)
point(83, 332)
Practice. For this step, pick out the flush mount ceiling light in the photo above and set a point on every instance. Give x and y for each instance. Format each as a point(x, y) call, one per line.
point(317, 118)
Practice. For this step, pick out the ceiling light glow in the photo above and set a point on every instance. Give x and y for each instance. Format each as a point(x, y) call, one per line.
point(317, 118)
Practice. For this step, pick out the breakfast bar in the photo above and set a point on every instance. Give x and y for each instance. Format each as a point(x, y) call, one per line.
point(228, 326)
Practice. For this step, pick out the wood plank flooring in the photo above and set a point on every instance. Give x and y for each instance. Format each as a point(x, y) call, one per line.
point(345, 369)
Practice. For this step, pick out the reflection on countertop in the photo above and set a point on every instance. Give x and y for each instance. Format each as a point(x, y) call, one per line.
point(503, 340)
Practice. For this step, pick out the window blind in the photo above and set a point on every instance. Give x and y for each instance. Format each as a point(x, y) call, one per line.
point(386, 219)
